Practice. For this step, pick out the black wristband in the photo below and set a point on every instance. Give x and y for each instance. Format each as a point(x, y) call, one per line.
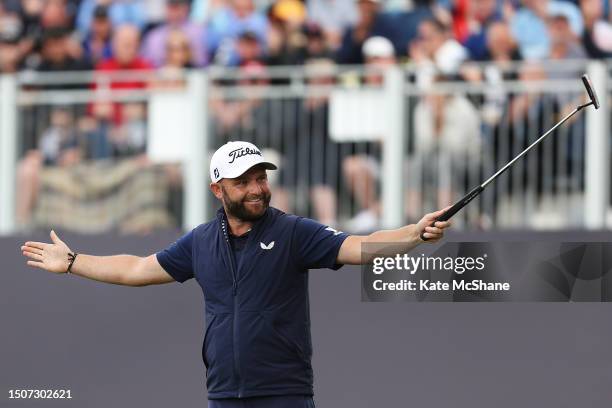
point(71, 257)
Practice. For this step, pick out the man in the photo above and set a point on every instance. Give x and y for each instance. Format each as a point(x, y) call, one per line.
point(251, 262)
point(371, 21)
point(125, 45)
point(177, 18)
point(56, 55)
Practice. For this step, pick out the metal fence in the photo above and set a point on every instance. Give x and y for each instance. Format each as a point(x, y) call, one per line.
point(359, 148)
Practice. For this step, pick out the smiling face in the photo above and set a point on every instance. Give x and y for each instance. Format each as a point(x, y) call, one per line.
point(245, 197)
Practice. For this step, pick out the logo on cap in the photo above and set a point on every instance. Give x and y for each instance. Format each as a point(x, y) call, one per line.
point(216, 172)
point(242, 151)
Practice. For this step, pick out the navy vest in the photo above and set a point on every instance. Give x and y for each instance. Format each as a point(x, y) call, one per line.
point(257, 339)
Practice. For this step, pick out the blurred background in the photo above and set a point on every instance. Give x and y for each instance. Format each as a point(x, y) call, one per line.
point(376, 111)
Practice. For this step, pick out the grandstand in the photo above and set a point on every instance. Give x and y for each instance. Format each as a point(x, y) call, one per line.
point(376, 112)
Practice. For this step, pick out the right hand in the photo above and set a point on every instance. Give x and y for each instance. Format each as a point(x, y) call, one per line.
point(50, 257)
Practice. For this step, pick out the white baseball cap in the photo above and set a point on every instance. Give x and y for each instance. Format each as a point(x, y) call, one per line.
point(378, 47)
point(234, 158)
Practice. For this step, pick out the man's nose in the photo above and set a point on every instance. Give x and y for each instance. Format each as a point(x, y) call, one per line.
point(255, 188)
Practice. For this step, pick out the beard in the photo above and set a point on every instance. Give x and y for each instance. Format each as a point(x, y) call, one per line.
point(238, 209)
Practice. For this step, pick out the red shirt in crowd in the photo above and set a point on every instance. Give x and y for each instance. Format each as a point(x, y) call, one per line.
point(111, 65)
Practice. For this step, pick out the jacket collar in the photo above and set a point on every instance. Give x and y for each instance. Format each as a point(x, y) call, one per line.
point(224, 223)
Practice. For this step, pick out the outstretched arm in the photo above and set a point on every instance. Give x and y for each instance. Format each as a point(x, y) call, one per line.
point(406, 238)
point(126, 270)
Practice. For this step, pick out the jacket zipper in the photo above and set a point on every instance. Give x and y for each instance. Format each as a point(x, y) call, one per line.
point(235, 314)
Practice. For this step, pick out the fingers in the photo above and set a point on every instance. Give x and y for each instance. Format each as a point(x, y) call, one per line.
point(37, 245)
point(33, 256)
point(430, 237)
point(433, 233)
point(32, 249)
point(55, 238)
point(433, 230)
point(442, 224)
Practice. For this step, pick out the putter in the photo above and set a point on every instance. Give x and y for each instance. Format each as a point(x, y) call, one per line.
point(479, 189)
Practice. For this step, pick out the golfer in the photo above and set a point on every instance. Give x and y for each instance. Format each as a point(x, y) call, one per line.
point(252, 263)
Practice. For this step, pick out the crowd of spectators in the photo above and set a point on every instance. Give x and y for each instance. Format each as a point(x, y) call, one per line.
point(273, 32)
point(443, 39)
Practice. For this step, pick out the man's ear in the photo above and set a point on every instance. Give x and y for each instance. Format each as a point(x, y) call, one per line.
point(216, 190)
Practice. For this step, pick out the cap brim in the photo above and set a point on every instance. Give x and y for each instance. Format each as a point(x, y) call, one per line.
point(266, 165)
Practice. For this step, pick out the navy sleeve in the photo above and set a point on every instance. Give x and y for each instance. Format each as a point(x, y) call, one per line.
point(317, 245)
point(177, 258)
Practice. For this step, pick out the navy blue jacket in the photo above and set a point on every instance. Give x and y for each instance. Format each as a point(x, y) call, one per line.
point(257, 339)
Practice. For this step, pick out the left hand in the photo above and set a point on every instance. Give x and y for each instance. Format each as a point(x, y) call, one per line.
point(432, 233)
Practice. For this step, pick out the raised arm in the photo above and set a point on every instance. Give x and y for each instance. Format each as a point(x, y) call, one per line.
point(128, 270)
point(406, 237)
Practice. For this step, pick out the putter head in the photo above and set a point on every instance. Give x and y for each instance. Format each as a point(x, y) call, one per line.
point(589, 88)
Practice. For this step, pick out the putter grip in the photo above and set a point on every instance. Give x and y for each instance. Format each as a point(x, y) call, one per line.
point(456, 207)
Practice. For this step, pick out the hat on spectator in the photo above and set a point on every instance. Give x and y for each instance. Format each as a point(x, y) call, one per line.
point(570, 12)
point(101, 11)
point(178, 2)
point(378, 47)
point(234, 158)
point(290, 10)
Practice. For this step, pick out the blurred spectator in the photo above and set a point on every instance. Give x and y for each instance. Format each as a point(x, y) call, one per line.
point(502, 51)
point(119, 12)
point(24, 16)
point(178, 51)
point(248, 49)
point(447, 141)
point(529, 28)
point(311, 166)
point(334, 17)
point(172, 74)
point(408, 22)
point(370, 22)
point(530, 115)
point(564, 43)
point(9, 57)
point(177, 18)
point(597, 36)
point(316, 44)
point(126, 44)
point(483, 14)
point(529, 25)
point(462, 14)
point(55, 13)
point(290, 41)
point(361, 171)
point(501, 47)
point(226, 26)
point(129, 138)
point(55, 53)
point(291, 12)
point(435, 51)
point(97, 43)
point(10, 51)
point(58, 145)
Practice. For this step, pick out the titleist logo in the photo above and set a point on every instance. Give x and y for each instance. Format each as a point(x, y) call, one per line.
point(243, 151)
